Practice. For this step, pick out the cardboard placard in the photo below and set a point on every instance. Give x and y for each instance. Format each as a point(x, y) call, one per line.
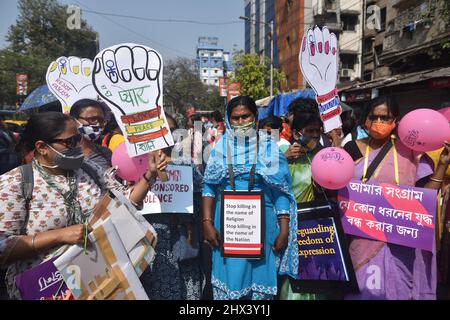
point(242, 224)
point(395, 214)
point(70, 80)
point(172, 196)
point(128, 77)
point(324, 262)
point(318, 63)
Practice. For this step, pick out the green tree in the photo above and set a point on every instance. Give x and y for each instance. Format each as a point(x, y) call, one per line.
point(39, 36)
point(182, 87)
point(253, 74)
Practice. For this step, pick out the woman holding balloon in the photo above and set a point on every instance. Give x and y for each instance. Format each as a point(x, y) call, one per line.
point(385, 270)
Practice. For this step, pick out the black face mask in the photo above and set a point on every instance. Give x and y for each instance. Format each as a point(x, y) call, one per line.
point(68, 159)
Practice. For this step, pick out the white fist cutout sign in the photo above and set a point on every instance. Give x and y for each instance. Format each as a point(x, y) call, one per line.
point(129, 78)
point(70, 79)
point(318, 62)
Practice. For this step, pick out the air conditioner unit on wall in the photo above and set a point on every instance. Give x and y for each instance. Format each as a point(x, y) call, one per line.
point(345, 72)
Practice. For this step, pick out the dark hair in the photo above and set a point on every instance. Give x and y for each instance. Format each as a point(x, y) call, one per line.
point(111, 125)
point(244, 101)
point(388, 101)
point(217, 116)
point(307, 116)
point(273, 122)
point(170, 117)
point(78, 107)
point(43, 126)
point(348, 122)
point(300, 104)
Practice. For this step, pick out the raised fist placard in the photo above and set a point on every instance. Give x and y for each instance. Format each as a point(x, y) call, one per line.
point(128, 77)
point(318, 62)
point(70, 79)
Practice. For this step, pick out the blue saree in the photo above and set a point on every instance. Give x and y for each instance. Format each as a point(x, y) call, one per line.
point(234, 278)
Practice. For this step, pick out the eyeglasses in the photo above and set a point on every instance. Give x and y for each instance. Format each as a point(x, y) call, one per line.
point(373, 117)
point(70, 142)
point(94, 120)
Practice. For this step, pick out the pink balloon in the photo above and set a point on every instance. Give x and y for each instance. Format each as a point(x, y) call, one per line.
point(130, 169)
point(332, 168)
point(445, 112)
point(424, 130)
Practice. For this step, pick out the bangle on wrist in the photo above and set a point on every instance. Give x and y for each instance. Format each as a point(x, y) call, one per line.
point(150, 181)
point(284, 218)
point(436, 180)
point(206, 219)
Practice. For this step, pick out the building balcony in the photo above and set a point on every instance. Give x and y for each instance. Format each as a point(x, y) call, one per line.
point(321, 7)
point(334, 26)
point(402, 3)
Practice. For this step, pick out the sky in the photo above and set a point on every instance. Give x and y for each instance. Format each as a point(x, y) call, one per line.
point(171, 39)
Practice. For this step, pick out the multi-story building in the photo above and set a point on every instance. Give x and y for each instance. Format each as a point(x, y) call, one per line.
point(260, 14)
point(344, 18)
point(210, 60)
point(404, 53)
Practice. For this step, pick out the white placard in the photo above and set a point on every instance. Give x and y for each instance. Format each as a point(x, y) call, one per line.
point(128, 77)
point(318, 63)
point(242, 224)
point(172, 196)
point(70, 80)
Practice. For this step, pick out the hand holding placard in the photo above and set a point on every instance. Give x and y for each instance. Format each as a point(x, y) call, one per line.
point(318, 61)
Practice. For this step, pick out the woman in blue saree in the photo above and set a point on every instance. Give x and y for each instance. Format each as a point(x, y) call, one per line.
point(237, 150)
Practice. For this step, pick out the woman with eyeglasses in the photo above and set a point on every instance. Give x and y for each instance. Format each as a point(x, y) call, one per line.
point(90, 116)
point(63, 196)
point(384, 270)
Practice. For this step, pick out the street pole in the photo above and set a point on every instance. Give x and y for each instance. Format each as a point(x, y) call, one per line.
point(271, 59)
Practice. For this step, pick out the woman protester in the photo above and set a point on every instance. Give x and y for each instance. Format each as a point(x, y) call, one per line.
point(91, 118)
point(386, 270)
point(176, 273)
point(246, 160)
point(37, 228)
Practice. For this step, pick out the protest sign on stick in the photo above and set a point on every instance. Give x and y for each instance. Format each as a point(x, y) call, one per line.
point(318, 62)
point(128, 77)
point(70, 80)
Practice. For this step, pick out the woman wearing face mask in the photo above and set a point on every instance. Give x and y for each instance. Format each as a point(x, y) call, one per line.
point(385, 270)
point(90, 116)
point(242, 161)
point(306, 131)
point(63, 196)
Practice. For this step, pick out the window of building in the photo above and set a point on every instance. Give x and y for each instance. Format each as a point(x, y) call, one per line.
point(204, 80)
point(348, 61)
point(379, 49)
point(289, 4)
point(215, 81)
point(349, 22)
point(204, 70)
point(383, 20)
point(215, 71)
point(367, 45)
